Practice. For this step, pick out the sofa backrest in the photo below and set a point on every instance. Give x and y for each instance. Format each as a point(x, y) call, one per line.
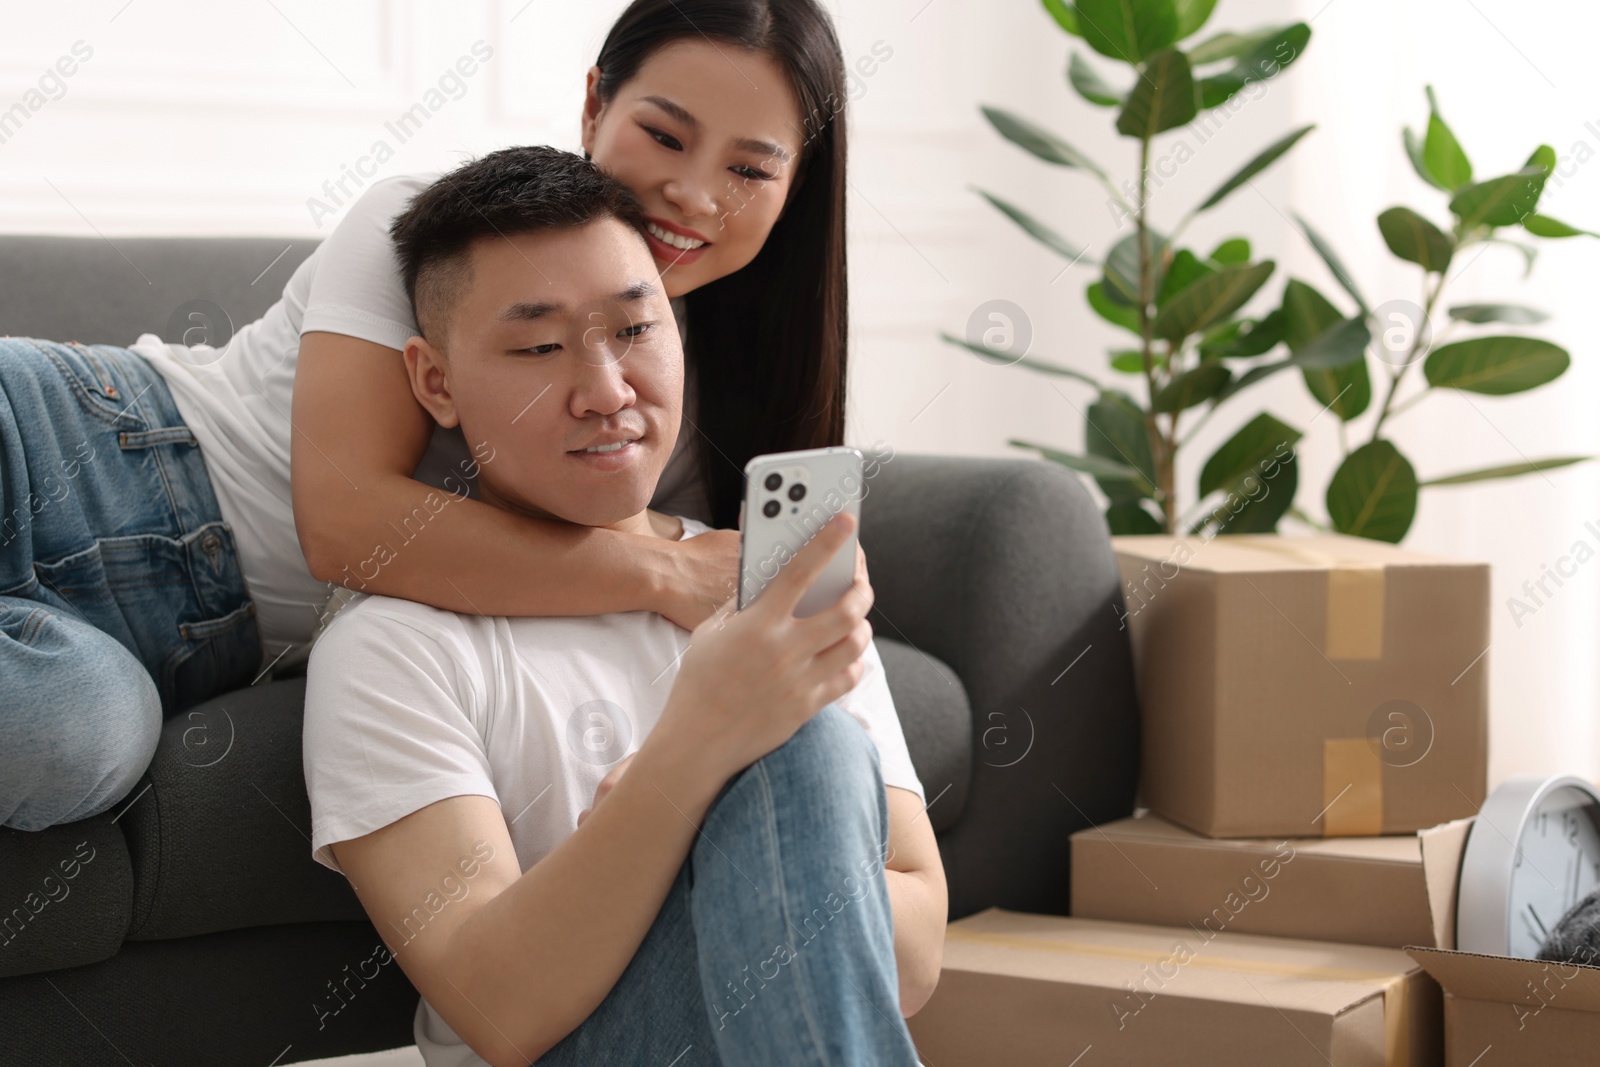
point(109, 290)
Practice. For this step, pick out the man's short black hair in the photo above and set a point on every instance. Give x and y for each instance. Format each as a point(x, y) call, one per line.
point(507, 192)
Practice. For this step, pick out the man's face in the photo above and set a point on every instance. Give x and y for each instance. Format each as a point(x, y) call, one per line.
point(562, 340)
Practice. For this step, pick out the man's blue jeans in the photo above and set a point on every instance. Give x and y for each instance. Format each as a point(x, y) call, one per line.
point(121, 597)
point(775, 946)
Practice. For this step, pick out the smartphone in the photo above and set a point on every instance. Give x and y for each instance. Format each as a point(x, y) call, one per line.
point(788, 497)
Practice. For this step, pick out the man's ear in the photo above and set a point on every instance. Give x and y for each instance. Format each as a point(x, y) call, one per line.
point(430, 382)
point(592, 106)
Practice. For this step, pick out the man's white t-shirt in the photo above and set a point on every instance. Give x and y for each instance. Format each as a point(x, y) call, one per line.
point(238, 402)
point(407, 704)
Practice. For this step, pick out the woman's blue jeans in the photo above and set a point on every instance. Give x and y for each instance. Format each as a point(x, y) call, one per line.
point(121, 598)
point(775, 946)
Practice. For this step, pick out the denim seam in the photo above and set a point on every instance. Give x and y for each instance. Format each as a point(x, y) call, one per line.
point(108, 415)
point(783, 905)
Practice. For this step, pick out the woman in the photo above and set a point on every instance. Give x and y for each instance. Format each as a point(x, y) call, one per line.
point(723, 116)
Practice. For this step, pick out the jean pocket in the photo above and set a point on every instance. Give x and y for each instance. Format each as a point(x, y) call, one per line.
point(218, 655)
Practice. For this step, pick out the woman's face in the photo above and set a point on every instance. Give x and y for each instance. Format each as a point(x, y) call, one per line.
point(708, 136)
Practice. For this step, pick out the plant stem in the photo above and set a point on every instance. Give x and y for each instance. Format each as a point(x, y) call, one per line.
point(1159, 444)
point(1395, 376)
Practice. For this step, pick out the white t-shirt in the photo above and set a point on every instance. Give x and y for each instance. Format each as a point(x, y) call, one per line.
point(407, 704)
point(238, 402)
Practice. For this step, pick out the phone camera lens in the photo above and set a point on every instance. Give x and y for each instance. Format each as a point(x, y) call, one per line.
point(773, 481)
point(771, 508)
point(796, 491)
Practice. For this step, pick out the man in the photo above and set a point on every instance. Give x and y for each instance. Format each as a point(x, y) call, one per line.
point(752, 881)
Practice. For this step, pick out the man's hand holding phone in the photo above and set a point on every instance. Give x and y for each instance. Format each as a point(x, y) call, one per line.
point(750, 679)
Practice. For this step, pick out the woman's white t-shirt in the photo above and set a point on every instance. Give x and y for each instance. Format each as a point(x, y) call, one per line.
point(238, 401)
point(407, 705)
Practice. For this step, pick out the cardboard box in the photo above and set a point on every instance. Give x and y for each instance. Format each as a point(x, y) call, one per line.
point(1025, 990)
point(1500, 1011)
point(1294, 687)
point(1389, 891)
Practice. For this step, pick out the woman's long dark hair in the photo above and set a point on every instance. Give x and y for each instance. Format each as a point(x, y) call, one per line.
point(768, 341)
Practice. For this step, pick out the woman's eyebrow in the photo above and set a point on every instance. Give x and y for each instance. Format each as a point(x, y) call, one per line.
point(749, 144)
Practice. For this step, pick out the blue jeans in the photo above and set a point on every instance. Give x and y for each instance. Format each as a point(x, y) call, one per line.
point(775, 946)
point(121, 598)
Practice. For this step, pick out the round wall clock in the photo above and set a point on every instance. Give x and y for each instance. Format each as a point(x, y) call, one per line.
point(1533, 852)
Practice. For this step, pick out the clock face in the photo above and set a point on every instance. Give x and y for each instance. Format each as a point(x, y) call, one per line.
point(1557, 864)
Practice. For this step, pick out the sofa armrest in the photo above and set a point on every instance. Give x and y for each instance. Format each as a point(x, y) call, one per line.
point(1003, 570)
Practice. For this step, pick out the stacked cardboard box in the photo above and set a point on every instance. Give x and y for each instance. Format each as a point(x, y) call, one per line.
point(1025, 990)
point(1298, 686)
point(1314, 716)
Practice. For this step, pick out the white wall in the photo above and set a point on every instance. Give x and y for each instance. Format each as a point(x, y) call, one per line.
point(229, 118)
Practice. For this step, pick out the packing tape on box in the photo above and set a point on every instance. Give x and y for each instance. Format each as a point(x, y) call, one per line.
point(1352, 788)
point(1352, 774)
point(1396, 1006)
point(1353, 629)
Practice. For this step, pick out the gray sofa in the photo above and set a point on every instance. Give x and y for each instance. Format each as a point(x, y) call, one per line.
point(195, 928)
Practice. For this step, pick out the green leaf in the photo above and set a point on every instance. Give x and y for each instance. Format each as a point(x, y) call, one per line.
point(1065, 17)
point(1373, 493)
point(1340, 345)
point(1162, 98)
point(1329, 349)
point(1306, 314)
point(1226, 45)
point(1039, 231)
point(1121, 277)
point(1416, 240)
point(1038, 140)
point(1128, 30)
point(1335, 265)
point(1087, 81)
point(1130, 517)
point(1185, 270)
point(1257, 339)
point(1128, 361)
point(1446, 161)
point(1232, 252)
point(1267, 56)
point(1545, 226)
point(1257, 503)
point(1114, 429)
point(1510, 470)
point(1124, 315)
point(1095, 465)
point(1419, 162)
point(1192, 14)
point(1504, 201)
point(1006, 358)
point(1543, 156)
point(1192, 387)
point(1260, 440)
point(1265, 159)
point(1515, 314)
point(1344, 389)
point(1495, 365)
point(1211, 299)
point(1254, 375)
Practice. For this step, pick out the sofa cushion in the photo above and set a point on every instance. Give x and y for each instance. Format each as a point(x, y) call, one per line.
point(936, 718)
point(67, 892)
point(222, 841)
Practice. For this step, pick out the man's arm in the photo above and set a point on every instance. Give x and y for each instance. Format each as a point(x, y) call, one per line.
point(524, 957)
point(917, 894)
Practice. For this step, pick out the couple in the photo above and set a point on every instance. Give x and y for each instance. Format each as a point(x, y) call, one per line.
point(758, 884)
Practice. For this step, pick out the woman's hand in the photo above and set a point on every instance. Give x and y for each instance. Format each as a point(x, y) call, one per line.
point(706, 574)
point(606, 785)
point(750, 679)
